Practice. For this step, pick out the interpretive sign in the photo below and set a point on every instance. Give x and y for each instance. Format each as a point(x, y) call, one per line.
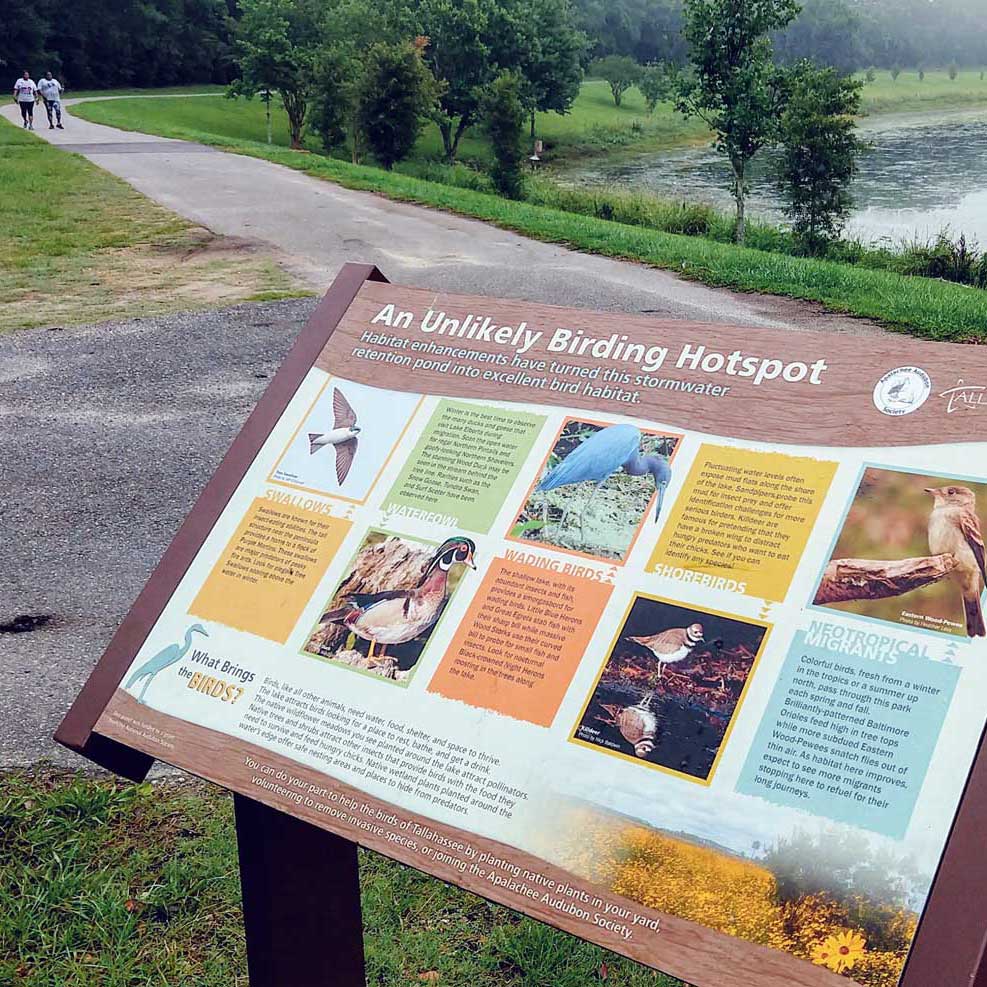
point(668, 634)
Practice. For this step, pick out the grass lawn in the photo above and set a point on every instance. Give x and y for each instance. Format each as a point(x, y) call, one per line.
point(104, 884)
point(595, 126)
point(82, 246)
point(937, 91)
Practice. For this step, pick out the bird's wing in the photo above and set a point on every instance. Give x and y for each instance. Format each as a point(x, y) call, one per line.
point(343, 415)
point(366, 601)
point(359, 601)
point(970, 526)
point(602, 454)
point(345, 452)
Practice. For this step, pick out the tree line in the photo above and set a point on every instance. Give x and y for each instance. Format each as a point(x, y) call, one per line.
point(847, 34)
point(94, 44)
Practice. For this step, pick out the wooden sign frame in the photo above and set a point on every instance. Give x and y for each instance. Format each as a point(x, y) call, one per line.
point(300, 883)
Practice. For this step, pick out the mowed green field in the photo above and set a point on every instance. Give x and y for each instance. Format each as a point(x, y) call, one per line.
point(106, 884)
point(937, 91)
point(594, 126)
point(79, 245)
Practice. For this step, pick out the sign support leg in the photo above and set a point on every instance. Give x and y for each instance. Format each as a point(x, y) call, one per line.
point(301, 901)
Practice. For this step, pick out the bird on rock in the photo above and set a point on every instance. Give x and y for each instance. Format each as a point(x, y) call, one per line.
point(673, 645)
point(597, 458)
point(396, 616)
point(954, 528)
point(163, 659)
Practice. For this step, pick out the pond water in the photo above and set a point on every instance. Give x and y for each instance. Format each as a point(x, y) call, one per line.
point(922, 174)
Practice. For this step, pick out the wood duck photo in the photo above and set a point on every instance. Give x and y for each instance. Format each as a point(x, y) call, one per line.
point(384, 611)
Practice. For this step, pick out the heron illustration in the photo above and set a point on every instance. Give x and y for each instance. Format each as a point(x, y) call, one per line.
point(596, 459)
point(163, 659)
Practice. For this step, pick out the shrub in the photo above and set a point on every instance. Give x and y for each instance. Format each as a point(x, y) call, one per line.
point(655, 83)
point(945, 258)
point(871, 74)
point(819, 150)
point(395, 92)
point(953, 71)
point(921, 75)
point(505, 124)
point(895, 72)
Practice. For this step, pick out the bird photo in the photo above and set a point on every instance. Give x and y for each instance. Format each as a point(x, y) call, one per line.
point(342, 436)
point(165, 658)
point(673, 645)
point(381, 616)
point(955, 528)
point(914, 523)
point(671, 686)
point(597, 488)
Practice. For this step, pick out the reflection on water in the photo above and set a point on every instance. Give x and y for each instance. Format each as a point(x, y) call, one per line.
point(923, 172)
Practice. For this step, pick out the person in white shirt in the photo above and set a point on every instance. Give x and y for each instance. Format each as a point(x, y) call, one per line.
point(51, 92)
point(26, 92)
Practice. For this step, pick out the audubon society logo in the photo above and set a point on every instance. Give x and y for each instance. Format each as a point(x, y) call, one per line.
point(902, 391)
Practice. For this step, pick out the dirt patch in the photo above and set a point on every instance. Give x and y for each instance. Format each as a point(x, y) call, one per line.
point(189, 269)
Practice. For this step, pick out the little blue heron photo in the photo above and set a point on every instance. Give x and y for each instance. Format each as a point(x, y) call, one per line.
point(599, 486)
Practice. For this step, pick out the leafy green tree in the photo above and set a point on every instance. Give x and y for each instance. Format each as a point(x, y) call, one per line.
point(895, 72)
point(735, 88)
point(953, 71)
point(871, 74)
point(819, 151)
point(657, 83)
point(619, 71)
point(505, 123)
point(395, 93)
point(921, 75)
point(462, 56)
point(549, 65)
point(277, 42)
point(332, 112)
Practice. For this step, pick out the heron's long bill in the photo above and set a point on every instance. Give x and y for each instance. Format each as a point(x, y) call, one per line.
point(660, 487)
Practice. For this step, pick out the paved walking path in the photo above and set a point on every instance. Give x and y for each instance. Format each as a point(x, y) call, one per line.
point(315, 226)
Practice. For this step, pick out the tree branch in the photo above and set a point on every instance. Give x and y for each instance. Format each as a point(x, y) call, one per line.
point(869, 579)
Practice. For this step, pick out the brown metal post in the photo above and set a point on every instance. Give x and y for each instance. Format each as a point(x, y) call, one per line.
point(301, 901)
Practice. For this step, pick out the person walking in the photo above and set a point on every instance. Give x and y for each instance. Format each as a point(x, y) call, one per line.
point(51, 92)
point(25, 93)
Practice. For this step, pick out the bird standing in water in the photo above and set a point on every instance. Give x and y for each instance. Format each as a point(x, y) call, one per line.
point(396, 616)
point(163, 659)
point(673, 645)
point(954, 528)
point(342, 436)
point(597, 458)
